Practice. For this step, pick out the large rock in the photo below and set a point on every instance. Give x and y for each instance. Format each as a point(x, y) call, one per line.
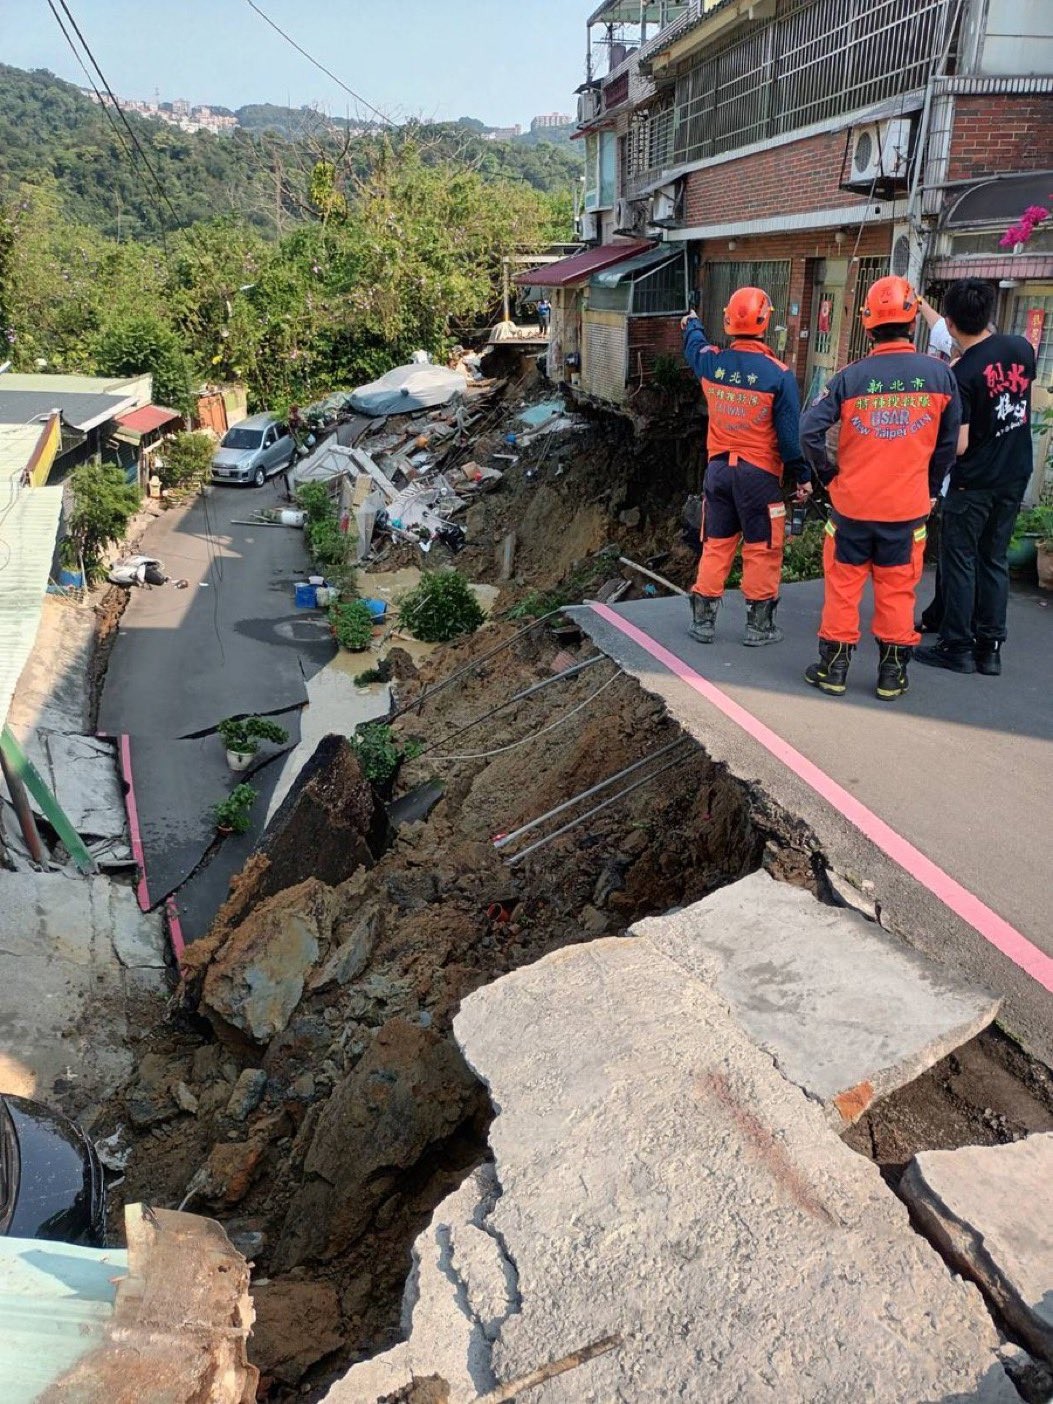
point(988, 1210)
point(661, 1181)
point(297, 1323)
point(410, 1090)
point(255, 980)
point(848, 1012)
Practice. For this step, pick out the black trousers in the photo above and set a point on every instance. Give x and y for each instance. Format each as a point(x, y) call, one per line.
point(977, 525)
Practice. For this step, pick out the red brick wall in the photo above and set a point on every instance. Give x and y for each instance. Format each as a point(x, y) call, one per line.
point(799, 176)
point(995, 134)
point(649, 338)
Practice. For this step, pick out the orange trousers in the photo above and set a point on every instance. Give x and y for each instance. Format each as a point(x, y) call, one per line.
point(890, 554)
point(741, 503)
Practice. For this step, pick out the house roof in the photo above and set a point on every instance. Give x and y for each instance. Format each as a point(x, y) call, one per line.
point(81, 411)
point(1000, 201)
point(147, 418)
point(629, 268)
point(580, 267)
point(17, 442)
point(29, 521)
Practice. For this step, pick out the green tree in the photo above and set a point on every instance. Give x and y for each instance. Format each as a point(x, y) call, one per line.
point(137, 344)
point(103, 505)
point(185, 460)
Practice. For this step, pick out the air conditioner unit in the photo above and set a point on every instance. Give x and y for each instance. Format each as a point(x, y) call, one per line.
point(880, 156)
point(589, 227)
point(628, 217)
point(664, 204)
point(589, 103)
point(906, 257)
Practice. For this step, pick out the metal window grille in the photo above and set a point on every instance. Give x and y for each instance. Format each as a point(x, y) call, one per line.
point(721, 280)
point(814, 59)
point(868, 270)
point(663, 290)
point(609, 299)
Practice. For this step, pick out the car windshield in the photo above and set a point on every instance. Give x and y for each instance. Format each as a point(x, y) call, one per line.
point(242, 439)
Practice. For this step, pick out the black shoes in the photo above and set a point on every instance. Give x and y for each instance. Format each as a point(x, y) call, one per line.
point(988, 656)
point(830, 674)
point(892, 671)
point(955, 660)
point(704, 618)
point(760, 623)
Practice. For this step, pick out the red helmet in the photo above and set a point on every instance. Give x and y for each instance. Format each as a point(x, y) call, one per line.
point(889, 300)
point(748, 312)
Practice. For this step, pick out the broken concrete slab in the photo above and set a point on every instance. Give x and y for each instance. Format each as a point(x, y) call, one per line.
point(986, 1209)
point(661, 1181)
point(61, 974)
point(848, 1012)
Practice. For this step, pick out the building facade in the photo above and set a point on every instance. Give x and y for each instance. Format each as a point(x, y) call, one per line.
point(810, 146)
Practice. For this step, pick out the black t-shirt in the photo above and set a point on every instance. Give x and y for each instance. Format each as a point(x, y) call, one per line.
point(995, 378)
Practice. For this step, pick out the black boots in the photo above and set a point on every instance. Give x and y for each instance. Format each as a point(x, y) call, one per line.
point(892, 670)
point(830, 674)
point(955, 660)
point(988, 656)
point(704, 618)
point(760, 623)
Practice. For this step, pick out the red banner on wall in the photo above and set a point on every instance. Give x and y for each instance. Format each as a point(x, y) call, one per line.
point(1036, 320)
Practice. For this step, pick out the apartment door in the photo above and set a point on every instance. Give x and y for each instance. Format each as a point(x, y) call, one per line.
point(828, 307)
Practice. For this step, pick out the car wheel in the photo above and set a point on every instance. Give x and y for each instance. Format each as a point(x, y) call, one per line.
point(259, 478)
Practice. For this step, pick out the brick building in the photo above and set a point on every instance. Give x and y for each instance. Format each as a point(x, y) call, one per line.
point(813, 145)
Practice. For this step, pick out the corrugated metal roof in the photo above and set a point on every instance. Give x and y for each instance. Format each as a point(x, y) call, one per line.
point(77, 384)
point(580, 266)
point(55, 1303)
point(17, 442)
point(29, 524)
point(81, 411)
point(146, 419)
point(642, 263)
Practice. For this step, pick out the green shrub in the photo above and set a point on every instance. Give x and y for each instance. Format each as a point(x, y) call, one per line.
point(351, 624)
point(185, 461)
point(1033, 521)
point(244, 734)
point(442, 607)
point(233, 812)
point(380, 753)
point(803, 556)
point(314, 499)
point(103, 505)
point(326, 543)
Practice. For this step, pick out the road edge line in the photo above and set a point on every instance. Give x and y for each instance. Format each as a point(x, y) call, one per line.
point(142, 891)
point(1013, 944)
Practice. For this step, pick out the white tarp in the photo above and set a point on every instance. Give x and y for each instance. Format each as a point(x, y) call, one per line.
point(407, 389)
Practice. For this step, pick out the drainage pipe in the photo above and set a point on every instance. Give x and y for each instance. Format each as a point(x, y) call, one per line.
point(26, 822)
point(587, 794)
point(527, 692)
point(541, 842)
point(651, 574)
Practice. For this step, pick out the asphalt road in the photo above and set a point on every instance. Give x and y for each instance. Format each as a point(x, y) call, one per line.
point(961, 768)
point(231, 644)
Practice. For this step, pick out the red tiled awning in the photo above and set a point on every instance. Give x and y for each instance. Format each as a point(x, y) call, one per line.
point(580, 267)
point(147, 418)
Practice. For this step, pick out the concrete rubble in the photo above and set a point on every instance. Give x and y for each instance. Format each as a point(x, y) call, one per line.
point(987, 1209)
point(848, 1012)
point(657, 1178)
point(85, 942)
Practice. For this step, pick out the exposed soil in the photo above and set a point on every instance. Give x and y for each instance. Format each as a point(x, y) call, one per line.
point(108, 614)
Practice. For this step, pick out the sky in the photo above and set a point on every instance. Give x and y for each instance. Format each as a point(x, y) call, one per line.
point(503, 61)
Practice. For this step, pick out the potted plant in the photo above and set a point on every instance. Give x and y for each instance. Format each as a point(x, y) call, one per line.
point(242, 737)
point(232, 814)
point(1023, 546)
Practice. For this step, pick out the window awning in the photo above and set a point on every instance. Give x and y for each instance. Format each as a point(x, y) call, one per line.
point(642, 263)
point(580, 267)
point(1001, 201)
point(146, 419)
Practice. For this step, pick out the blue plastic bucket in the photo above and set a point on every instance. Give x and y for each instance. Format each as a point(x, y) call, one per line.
point(306, 595)
point(72, 579)
point(377, 608)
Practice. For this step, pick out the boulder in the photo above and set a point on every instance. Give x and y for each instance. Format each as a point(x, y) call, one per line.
point(257, 977)
point(409, 1090)
point(297, 1323)
point(226, 1176)
point(247, 1094)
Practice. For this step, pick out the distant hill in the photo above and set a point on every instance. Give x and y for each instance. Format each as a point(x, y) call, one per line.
point(48, 128)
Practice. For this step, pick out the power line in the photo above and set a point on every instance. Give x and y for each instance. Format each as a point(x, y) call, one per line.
point(320, 66)
point(121, 114)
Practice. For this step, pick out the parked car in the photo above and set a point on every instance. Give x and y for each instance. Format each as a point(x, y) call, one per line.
point(253, 451)
point(51, 1181)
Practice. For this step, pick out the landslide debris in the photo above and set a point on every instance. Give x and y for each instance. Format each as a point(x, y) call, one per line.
point(330, 1109)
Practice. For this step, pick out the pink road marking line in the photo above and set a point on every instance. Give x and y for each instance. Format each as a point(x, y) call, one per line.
point(175, 929)
point(993, 928)
point(142, 892)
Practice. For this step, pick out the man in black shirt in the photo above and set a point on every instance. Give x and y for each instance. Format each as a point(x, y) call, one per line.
point(987, 485)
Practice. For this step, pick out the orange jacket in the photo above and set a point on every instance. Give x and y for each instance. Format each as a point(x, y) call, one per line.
point(899, 414)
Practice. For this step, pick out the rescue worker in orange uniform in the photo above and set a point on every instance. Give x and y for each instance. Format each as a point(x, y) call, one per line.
point(898, 413)
point(754, 419)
